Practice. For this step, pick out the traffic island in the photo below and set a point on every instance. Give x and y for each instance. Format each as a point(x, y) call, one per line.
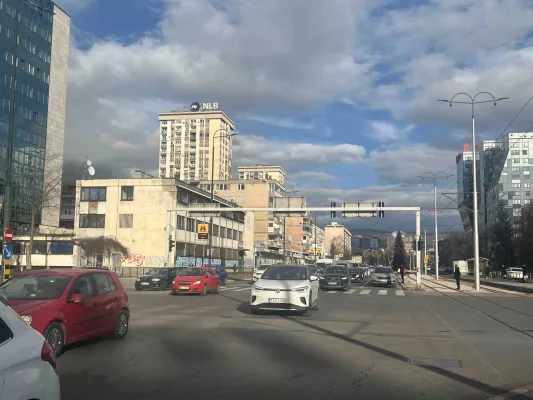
point(410, 284)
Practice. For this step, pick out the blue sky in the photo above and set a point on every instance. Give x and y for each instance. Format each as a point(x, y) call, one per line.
point(342, 94)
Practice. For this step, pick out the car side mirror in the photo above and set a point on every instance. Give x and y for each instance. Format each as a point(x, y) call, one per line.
point(77, 298)
point(313, 278)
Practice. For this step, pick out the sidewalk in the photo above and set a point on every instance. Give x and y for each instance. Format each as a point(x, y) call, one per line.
point(447, 286)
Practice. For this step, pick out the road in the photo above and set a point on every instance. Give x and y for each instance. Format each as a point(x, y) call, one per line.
point(360, 344)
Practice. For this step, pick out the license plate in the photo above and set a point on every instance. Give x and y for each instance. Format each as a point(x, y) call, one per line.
point(333, 283)
point(184, 287)
point(277, 300)
point(145, 283)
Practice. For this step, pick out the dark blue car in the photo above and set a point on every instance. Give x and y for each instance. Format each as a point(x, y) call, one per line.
point(222, 274)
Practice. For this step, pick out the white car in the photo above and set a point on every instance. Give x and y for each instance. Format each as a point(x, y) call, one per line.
point(285, 288)
point(27, 366)
point(258, 271)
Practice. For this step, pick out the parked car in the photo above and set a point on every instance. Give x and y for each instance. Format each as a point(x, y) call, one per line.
point(258, 271)
point(335, 277)
point(68, 306)
point(156, 278)
point(196, 280)
point(27, 366)
point(285, 288)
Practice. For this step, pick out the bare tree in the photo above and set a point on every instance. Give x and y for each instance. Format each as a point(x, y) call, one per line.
point(45, 196)
point(336, 247)
point(101, 245)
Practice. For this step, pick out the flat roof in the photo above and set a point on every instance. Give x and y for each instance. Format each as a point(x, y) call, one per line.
point(196, 114)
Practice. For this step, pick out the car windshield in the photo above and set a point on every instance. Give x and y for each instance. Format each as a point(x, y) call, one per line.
point(192, 272)
point(35, 287)
point(158, 271)
point(335, 270)
point(383, 270)
point(285, 274)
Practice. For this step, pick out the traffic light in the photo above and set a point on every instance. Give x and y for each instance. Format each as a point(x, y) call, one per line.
point(171, 244)
point(381, 214)
point(334, 213)
point(420, 244)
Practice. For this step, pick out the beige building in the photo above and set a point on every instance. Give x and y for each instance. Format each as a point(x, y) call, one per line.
point(262, 171)
point(191, 141)
point(341, 239)
point(267, 234)
point(316, 240)
point(134, 213)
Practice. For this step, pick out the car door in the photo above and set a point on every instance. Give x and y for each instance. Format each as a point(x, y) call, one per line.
point(315, 287)
point(81, 318)
point(108, 301)
point(212, 280)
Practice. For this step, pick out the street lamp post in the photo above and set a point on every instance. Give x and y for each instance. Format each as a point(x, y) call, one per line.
point(472, 103)
point(220, 135)
point(435, 176)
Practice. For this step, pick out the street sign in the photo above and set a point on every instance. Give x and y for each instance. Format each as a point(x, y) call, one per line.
point(341, 255)
point(426, 260)
point(8, 235)
point(351, 210)
point(203, 231)
point(8, 252)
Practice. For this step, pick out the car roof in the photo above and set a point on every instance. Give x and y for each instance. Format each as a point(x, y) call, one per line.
point(288, 265)
point(61, 271)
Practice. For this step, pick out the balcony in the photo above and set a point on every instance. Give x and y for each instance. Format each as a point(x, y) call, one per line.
point(275, 244)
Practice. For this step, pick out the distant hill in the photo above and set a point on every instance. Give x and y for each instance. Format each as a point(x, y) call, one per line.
point(370, 232)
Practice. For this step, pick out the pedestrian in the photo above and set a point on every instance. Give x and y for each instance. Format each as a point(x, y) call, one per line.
point(234, 268)
point(402, 273)
point(457, 276)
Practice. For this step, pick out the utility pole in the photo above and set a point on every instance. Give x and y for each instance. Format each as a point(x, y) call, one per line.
point(435, 176)
point(472, 103)
point(315, 230)
point(284, 240)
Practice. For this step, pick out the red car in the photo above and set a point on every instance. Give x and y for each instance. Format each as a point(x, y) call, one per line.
point(196, 280)
point(68, 306)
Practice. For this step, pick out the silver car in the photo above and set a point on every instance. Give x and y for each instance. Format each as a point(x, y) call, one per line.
point(384, 276)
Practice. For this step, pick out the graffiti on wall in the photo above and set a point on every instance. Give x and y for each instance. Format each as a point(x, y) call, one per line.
point(140, 260)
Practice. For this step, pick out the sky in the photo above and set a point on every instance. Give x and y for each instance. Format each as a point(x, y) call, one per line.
point(341, 93)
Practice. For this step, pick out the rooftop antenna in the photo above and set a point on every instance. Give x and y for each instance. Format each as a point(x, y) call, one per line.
point(90, 169)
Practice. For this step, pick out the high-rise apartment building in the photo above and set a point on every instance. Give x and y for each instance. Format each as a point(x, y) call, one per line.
point(337, 239)
point(262, 172)
point(42, 30)
point(193, 144)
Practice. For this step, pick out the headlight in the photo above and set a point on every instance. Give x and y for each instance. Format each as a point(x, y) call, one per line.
point(156, 279)
point(197, 282)
point(138, 279)
point(174, 281)
point(255, 287)
point(301, 289)
point(27, 319)
point(321, 277)
point(344, 277)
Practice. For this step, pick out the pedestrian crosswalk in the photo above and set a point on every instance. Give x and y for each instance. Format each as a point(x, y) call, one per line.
point(358, 291)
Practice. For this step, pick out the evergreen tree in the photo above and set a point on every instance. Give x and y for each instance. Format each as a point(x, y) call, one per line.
point(501, 239)
point(398, 259)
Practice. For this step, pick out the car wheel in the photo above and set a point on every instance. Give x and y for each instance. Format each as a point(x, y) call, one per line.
point(121, 327)
point(309, 311)
point(55, 336)
point(255, 311)
point(204, 290)
point(138, 288)
point(317, 305)
point(217, 290)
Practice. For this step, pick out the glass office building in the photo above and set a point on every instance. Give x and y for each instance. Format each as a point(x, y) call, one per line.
point(41, 31)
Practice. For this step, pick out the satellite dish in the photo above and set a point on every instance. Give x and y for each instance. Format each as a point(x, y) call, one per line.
point(91, 171)
point(89, 163)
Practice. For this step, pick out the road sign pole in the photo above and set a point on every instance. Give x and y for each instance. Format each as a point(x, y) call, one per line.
point(6, 261)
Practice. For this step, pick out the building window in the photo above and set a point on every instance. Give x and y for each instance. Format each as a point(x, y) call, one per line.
point(191, 225)
point(126, 193)
point(125, 221)
point(527, 201)
point(516, 185)
point(92, 220)
point(516, 160)
point(180, 223)
point(515, 177)
point(65, 248)
point(517, 201)
point(525, 160)
point(515, 152)
point(527, 184)
point(524, 152)
point(241, 186)
point(93, 194)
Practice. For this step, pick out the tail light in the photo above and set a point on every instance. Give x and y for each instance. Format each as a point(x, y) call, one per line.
point(47, 354)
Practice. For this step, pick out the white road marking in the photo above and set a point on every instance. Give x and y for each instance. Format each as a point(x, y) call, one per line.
point(512, 393)
point(351, 291)
point(366, 291)
point(331, 292)
point(400, 293)
point(382, 292)
point(241, 289)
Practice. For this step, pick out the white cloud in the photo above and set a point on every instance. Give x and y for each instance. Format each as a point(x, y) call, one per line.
point(384, 131)
point(283, 122)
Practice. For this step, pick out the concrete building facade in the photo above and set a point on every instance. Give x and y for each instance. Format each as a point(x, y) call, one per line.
point(134, 213)
point(262, 172)
point(191, 142)
point(341, 238)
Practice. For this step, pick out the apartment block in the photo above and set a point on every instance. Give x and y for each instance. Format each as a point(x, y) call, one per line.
point(193, 145)
point(338, 239)
point(262, 171)
point(134, 213)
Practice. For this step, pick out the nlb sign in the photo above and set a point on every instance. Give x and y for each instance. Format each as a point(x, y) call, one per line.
point(196, 106)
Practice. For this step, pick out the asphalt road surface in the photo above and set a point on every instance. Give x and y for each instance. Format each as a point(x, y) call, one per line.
point(368, 343)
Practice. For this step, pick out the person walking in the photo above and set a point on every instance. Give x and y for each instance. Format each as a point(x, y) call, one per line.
point(403, 270)
point(457, 276)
